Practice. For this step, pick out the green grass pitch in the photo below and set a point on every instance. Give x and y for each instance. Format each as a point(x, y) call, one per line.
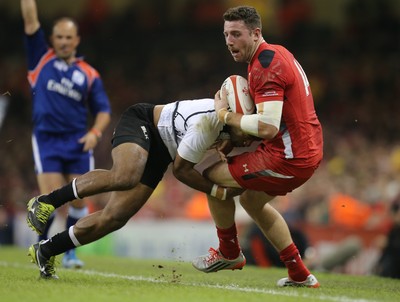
point(112, 279)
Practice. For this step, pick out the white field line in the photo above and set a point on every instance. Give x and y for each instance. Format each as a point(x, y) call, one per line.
point(217, 286)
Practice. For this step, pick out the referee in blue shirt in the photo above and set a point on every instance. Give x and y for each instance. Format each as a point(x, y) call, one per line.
point(65, 89)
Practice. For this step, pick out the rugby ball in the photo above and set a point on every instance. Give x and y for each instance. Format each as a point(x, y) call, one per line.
point(238, 95)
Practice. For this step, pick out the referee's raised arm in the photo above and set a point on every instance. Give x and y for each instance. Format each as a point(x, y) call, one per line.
point(30, 16)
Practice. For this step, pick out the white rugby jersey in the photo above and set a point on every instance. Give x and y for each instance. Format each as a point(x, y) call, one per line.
point(189, 128)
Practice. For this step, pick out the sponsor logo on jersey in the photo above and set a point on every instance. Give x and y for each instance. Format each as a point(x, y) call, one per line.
point(270, 93)
point(64, 88)
point(144, 132)
point(78, 77)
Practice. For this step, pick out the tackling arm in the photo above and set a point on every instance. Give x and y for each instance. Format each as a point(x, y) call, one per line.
point(30, 16)
point(185, 172)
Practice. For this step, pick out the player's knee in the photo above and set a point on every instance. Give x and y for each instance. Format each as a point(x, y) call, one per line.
point(244, 202)
point(113, 222)
point(249, 205)
point(124, 182)
point(116, 224)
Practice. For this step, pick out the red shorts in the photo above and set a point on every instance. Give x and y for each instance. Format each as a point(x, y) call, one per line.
point(262, 171)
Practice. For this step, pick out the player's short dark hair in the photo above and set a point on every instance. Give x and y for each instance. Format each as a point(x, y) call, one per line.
point(62, 19)
point(247, 14)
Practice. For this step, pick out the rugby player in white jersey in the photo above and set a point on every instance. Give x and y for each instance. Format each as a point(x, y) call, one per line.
point(146, 140)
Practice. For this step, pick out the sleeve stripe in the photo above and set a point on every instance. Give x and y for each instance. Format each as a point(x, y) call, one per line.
point(34, 74)
point(90, 72)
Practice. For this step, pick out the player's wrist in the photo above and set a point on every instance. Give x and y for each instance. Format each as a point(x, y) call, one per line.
point(223, 115)
point(218, 192)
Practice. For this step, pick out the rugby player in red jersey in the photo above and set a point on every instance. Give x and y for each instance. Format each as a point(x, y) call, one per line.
point(290, 151)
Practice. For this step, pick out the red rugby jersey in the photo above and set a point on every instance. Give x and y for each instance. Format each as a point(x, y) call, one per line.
point(275, 75)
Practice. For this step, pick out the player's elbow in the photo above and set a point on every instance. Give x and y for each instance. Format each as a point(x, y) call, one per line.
point(267, 132)
point(179, 174)
point(256, 125)
point(122, 182)
point(182, 169)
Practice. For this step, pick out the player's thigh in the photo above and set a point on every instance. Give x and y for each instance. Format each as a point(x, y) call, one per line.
point(129, 161)
point(122, 205)
point(219, 174)
point(261, 171)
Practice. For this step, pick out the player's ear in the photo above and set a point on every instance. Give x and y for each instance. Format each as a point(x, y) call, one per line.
point(77, 40)
point(257, 34)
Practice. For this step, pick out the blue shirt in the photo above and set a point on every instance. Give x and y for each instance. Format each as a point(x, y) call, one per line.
point(62, 94)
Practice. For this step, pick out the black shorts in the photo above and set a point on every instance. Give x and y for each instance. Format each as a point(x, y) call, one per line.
point(136, 125)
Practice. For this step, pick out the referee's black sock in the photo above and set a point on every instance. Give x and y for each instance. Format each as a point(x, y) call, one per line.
point(60, 196)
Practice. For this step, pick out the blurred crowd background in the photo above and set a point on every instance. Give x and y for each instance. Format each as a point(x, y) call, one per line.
point(160, 51)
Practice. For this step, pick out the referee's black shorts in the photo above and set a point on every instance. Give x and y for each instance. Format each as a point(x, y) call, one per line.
point(136, 126)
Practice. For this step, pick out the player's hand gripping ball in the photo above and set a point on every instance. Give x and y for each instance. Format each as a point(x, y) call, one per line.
point(238, 95)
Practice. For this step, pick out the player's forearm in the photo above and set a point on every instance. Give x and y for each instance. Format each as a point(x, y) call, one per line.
point(194, 179)
point(30, 16)
point(185, 172)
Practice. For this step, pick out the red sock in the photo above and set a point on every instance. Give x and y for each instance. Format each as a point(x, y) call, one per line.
point(292, 259)
point(228, 242)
